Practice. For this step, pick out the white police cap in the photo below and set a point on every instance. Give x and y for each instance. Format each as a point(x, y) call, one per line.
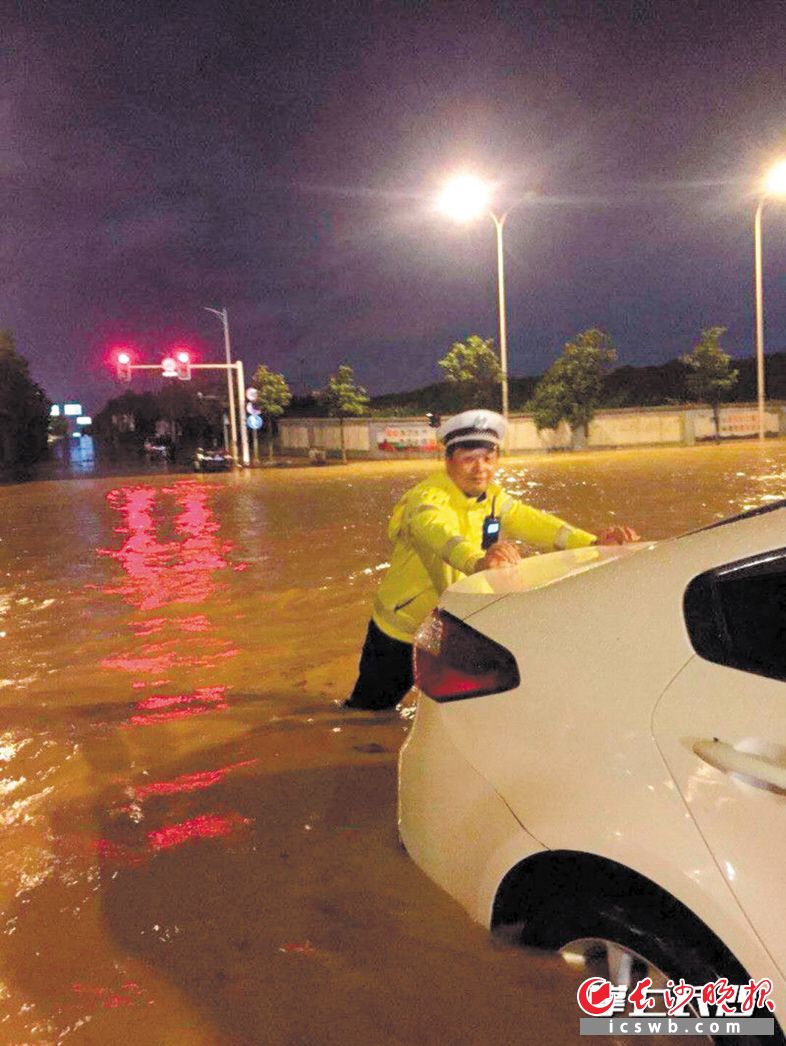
point(472, 426)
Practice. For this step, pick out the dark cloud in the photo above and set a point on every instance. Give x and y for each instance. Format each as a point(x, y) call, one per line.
point(280, 159)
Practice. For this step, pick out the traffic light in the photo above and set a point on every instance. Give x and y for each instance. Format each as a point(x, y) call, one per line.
point(434, 420)
point(168, 367)
point(123, 363)
point(183, 365)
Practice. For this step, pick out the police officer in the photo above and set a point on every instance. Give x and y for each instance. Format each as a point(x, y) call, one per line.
point(453, 523)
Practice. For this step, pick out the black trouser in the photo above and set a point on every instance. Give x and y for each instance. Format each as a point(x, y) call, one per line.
point(385, 671)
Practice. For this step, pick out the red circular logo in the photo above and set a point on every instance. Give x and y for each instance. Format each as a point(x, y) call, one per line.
point(594, 996)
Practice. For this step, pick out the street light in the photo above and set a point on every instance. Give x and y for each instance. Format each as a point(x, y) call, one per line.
point(774, 185)
point(463, 199)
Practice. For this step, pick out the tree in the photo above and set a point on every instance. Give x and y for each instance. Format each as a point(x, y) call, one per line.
point(710, 376)
point(472, 366)
point(571, 388)
point(193, 415)
point(550, 402)
point(343, 398)
point(24, 411)
point(274, 398)
point(127, 420)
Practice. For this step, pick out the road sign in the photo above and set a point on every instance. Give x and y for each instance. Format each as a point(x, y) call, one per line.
point(254, 421)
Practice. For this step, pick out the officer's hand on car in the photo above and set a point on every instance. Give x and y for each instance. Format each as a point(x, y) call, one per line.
point(617, 535)
point(501, 554)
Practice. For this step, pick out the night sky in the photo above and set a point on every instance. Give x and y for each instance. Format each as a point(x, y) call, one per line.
point(282, 159)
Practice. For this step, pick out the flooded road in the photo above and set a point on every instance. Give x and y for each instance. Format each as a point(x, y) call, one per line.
point(198, 845)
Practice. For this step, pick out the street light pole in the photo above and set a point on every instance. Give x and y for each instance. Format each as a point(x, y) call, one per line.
point(463, 199)
point(774, 185)
point(759, 315)
point(503, 329)
point(222, 315)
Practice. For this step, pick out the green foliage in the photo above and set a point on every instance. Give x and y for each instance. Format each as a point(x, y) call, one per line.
point(274, 393)
point(342, 397)
point(661, 383)
point(444, 398)
point(572, 387)
point(550, 402)
point(274, 398)
point(710, 377)
point(128, 420)
point(142, 409)
point(24, 411)
point(472, 366)
point(628, 386)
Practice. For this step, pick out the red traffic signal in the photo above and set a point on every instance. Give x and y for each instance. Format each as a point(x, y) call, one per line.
point(183, 365)
point(168, 367)
point(123, 363)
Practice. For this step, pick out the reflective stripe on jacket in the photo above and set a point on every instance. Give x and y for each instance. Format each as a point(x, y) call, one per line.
point(437, 532)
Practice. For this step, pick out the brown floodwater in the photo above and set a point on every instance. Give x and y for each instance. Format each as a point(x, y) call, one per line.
point(198, 846)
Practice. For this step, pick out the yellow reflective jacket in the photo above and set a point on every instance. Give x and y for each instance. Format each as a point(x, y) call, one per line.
point(437, 532)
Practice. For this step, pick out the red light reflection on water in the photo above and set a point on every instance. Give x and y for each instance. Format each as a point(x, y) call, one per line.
point(197, 623)
point(163, 657)
point(117, 853)
point(149, 627)
point(189, 782)
point(168, 836)
point(163, 708)
point(176, 571)
point(163, 573)
point(128, 994)
point(159, 658)
point(206, 826)
point(153, 625)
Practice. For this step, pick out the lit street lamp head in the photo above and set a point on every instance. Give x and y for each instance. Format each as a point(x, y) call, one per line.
point(465, 198)
point(775, 182)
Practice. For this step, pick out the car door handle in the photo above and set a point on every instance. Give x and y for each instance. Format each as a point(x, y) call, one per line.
point(726, 758)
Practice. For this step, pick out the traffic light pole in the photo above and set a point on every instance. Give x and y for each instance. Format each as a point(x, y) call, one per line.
point(241, 399)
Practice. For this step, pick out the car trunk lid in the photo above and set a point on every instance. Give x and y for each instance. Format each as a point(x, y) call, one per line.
point(477, 591)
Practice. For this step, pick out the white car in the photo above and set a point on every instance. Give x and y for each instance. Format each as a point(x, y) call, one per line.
point(598, 757)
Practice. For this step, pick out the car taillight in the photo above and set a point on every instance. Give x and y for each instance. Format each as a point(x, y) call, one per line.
point(452, 661)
